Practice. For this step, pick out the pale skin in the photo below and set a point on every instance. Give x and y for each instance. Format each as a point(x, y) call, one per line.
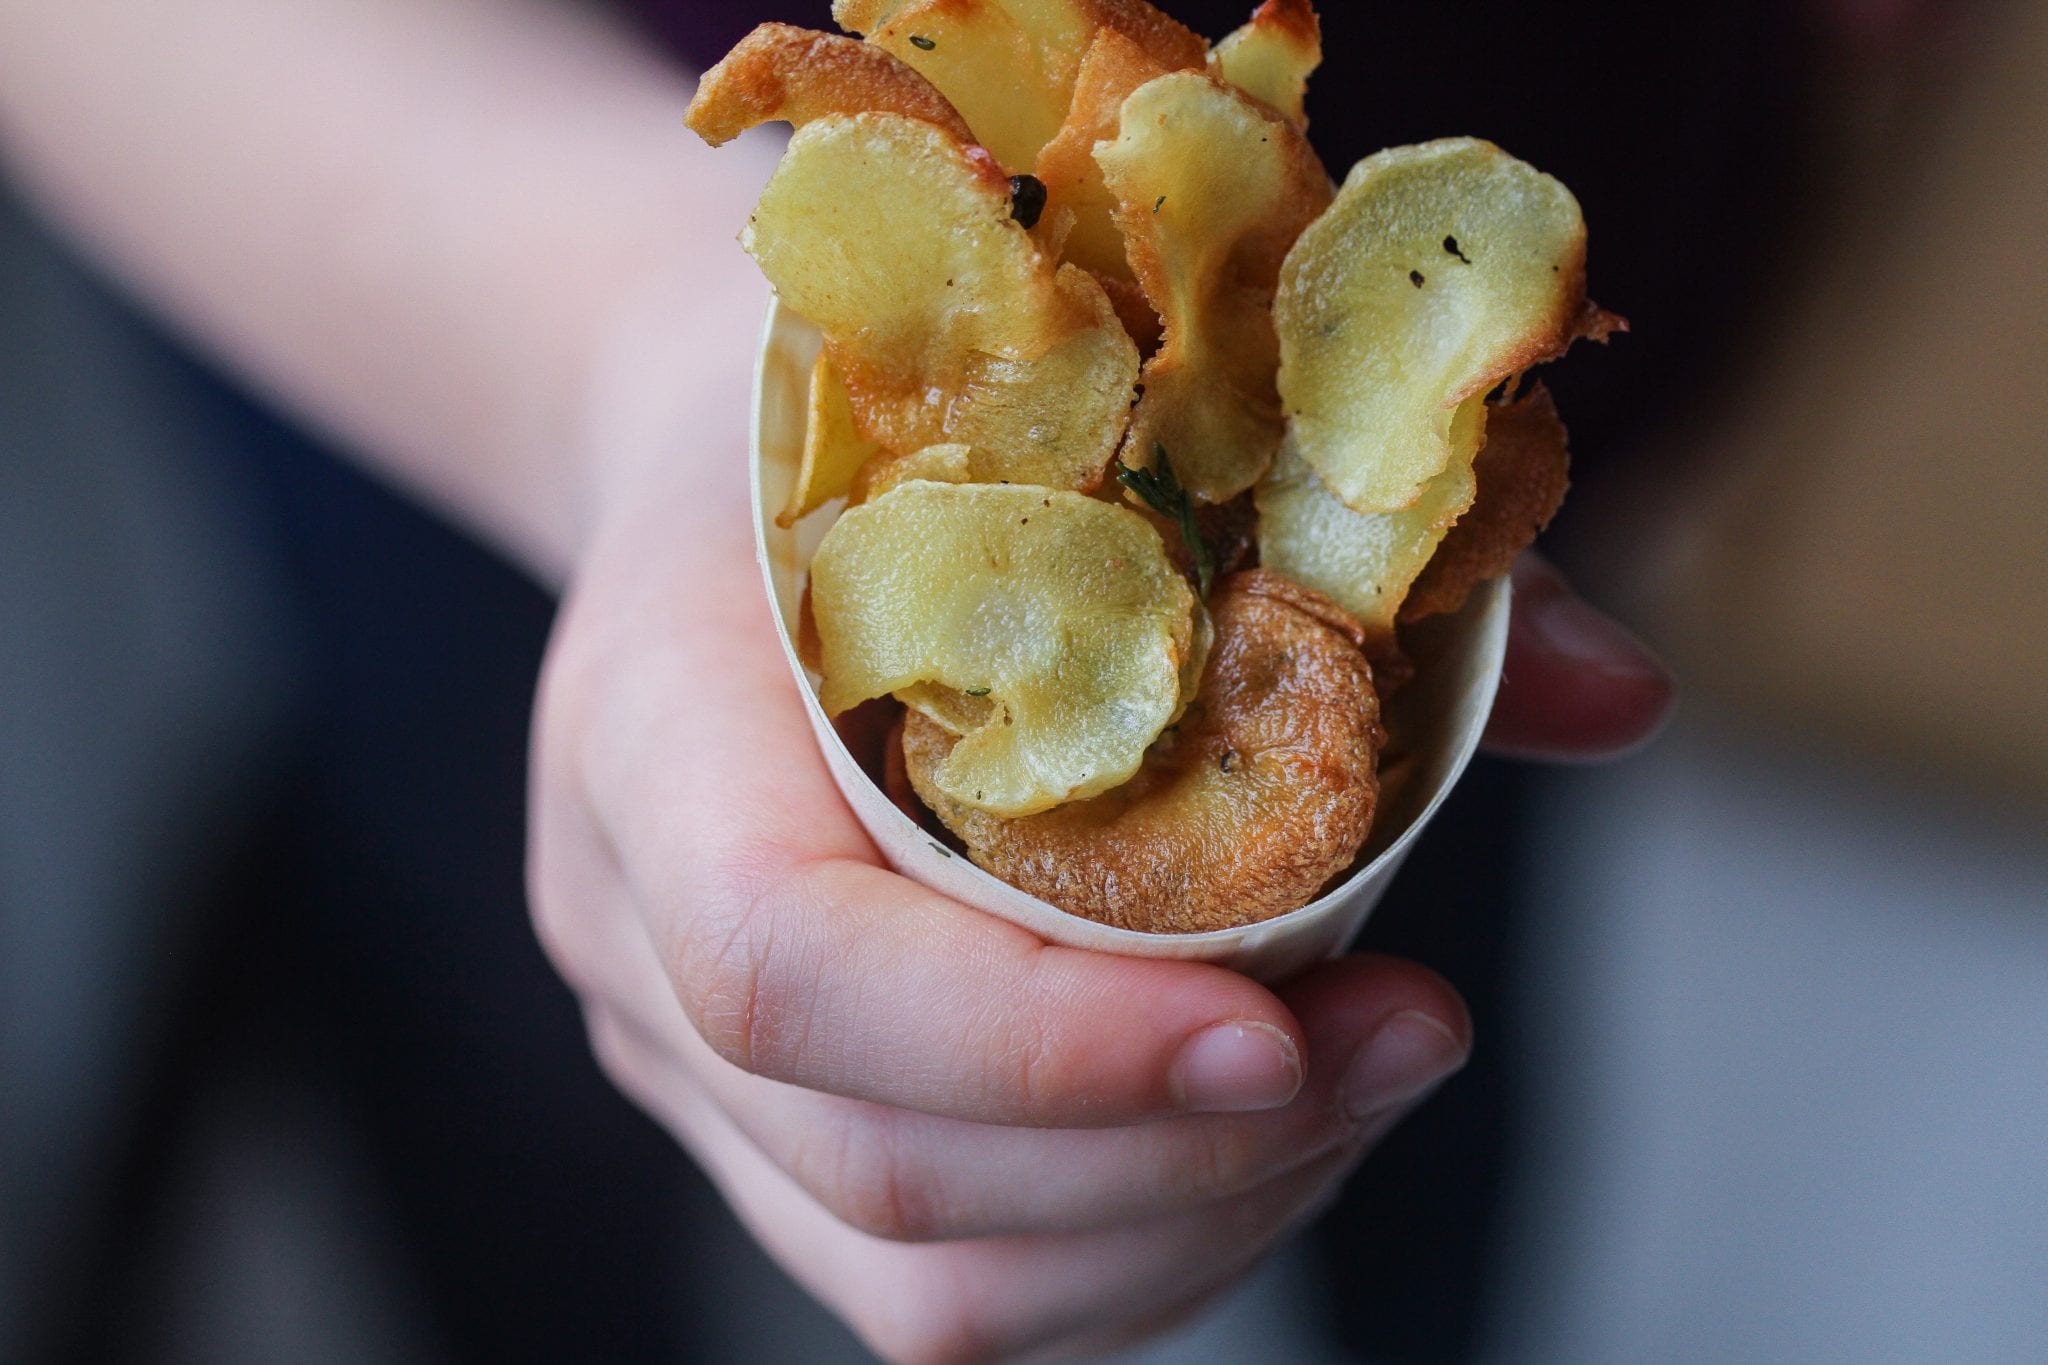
point(471, 240)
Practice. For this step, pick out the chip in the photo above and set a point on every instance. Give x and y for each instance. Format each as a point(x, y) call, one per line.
point(1363, 561)
point(1114, 68)
point(1440, 270)
point(1062, 611)
point(952, 463)
point(945, 320)
point(1009, 66)
point(1523, 472)
point(834, 451)
point(1212, 190)
point(794, 75)
point(1272, 57)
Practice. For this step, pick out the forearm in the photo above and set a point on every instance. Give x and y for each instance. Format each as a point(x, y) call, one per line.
point(427, 226)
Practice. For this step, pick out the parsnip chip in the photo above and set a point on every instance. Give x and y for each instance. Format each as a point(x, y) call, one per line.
point(1211, 192)
point(1061, 610)
point(1440, 270)
point(951, 463)
point(1523, 471)
point(1272, 56)
point(1114, 67)
point(1363, 561)
point(944, 319)
point(1009, 65)
point(794, 75)
point(834, 452)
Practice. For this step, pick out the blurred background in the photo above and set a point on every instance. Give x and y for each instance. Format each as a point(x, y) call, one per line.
point(1763, 1011)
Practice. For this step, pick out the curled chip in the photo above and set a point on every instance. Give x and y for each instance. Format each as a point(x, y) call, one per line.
point(834, 452)
point(1009, 66)
point(794, 75)
point(1114, 67)
point(945, 320)
point(1261, 794)
point(1061, 611)
point(1363, 561)
point(1272, 57)
point(1523, 472)
point(1212, 189)
point(1440, 270)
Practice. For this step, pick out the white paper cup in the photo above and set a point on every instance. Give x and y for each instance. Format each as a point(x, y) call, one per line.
point(1436, 721)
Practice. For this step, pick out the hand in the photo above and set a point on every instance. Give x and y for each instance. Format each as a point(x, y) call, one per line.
point(966, 1142)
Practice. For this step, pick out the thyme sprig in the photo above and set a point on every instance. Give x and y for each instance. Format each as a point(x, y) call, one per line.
point(1159, 489)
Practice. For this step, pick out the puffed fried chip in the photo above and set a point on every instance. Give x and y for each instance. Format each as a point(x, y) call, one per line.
point(1273, 55)
point(942, 316)
point(1363, 561)
point(1523, 472)
point(1440, 270)
point(834, 451)
point(1212, 190)
point(1261, 795)
point(794, 75)
point(1009, 66)
point(1061, 610)
point(1114, 68)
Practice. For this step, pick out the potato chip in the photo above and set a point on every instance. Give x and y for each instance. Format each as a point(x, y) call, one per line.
point(1440, 270)
point(1009, 66)
point(1523, 471)
point(834, 451)
point(1114, 68)
point(1363, 561)
point(1061, 610)
point(794, 75)
point(1211, 192)
point(946, 322)
point(1272, 57)
point(951, 463)
point(1258, 798)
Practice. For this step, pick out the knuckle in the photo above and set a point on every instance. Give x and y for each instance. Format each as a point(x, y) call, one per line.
point(858, 1170)
point(1222, 1165)
point(733, 978)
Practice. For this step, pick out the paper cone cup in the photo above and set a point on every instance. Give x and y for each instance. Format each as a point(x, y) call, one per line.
point(1435, 721)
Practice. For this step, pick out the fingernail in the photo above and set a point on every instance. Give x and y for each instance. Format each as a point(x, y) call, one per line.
point(1567, 626)
point(1229, 1068)
point(1408, 1054)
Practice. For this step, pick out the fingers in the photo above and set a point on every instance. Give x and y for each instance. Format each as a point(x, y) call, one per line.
point(985, 1299)
point(842, 977)
point(1380, 1034)
point(1576, 686)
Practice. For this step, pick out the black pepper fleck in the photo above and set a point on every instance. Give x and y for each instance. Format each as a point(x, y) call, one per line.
point(942, 850)
point(1415, 277)
point(1228, 762)
point(922, 43)
point(1159, 203)
point(1451, 245)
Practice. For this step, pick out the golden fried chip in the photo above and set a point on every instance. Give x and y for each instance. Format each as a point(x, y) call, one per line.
point(1211, 192)
point(1263, 793)
point(944, 319)
point(834, 451)
point(1009, 66)
point(940, 464)
point(1061, 610)
point(1440, 270)
point(780, 72)
point(1363, 561)
point(1523, 471)
point(1272, 57)
point(1114, 67)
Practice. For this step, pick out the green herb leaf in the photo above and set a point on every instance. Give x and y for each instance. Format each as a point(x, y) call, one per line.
point(1159, 489)
point(922, 43)
point(978, 691)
